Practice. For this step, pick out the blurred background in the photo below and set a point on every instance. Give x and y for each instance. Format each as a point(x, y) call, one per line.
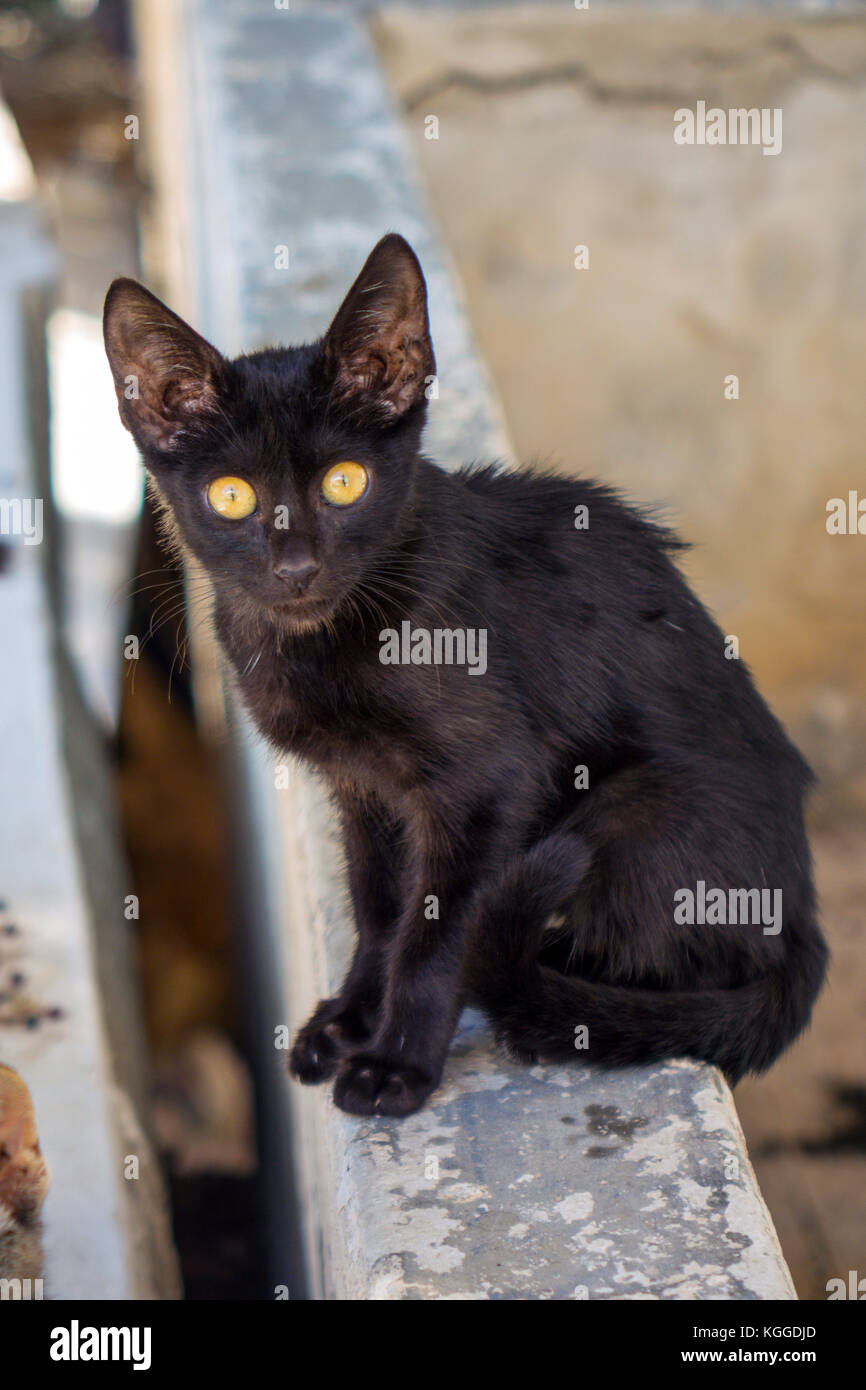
point(551, 133)
point(68, 76)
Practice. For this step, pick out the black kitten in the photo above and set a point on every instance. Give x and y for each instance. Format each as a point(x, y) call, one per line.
point(560, 798)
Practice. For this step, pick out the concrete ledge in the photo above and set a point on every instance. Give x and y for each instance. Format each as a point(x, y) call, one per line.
point(513, 1183)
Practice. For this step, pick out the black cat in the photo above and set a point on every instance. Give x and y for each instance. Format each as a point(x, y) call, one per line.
point(524, 831)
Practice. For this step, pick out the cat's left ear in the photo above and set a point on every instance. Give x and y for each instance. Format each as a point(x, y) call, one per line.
point(167, 377)
point(378, 348)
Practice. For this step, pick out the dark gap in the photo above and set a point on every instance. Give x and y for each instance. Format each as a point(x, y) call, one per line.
point(845, 1134)
point(175, 823)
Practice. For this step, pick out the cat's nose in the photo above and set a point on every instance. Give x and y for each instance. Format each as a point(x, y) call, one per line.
point(297, 571)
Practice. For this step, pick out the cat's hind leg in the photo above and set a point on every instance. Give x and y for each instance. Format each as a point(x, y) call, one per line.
point(642, 988)
point(511, 917)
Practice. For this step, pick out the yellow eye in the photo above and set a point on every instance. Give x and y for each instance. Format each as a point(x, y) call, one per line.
point(232, 498)
point(344, 483)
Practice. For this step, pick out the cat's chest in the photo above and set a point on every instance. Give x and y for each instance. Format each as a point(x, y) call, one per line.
point(333, 716)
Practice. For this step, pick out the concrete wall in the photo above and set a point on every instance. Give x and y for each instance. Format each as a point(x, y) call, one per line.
point(556, 129)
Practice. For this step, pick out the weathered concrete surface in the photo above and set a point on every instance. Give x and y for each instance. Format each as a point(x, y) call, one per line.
point(494, 1190)
point(613, 1187)
point(62, 888)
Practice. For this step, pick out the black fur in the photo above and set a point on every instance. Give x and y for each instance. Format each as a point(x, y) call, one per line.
point(460, 787)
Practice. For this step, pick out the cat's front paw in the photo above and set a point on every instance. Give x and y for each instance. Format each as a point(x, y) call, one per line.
point(368, 1085)
point(320, 1045)
point(313, 1057)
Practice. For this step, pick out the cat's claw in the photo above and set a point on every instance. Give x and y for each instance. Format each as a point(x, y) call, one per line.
point(369, 1086)
point(333, 1032)
point(309, 1064)
point(316, 1053)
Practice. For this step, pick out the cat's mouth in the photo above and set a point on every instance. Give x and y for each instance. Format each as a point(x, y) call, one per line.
point(301, 615)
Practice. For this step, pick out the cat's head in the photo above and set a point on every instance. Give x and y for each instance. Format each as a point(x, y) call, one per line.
point(286, 472)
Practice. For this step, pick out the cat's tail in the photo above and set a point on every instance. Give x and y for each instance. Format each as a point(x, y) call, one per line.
point(539, 1012)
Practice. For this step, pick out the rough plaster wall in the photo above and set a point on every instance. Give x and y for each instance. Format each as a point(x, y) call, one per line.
point(556, 129)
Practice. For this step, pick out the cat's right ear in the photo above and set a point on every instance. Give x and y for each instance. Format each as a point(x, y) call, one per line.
point(378, 348)
point(167, 377)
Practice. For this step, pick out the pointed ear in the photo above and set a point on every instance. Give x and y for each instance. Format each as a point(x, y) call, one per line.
point(166, 376)
point(379, 345)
